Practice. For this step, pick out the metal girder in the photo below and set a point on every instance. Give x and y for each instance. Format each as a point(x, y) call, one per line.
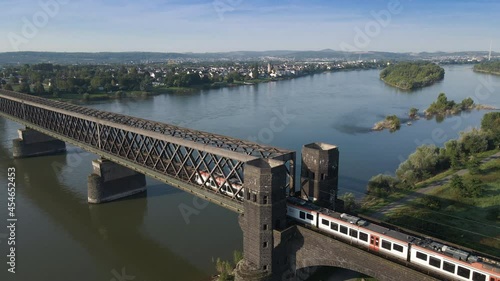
point(209, 139)
point(175, 155)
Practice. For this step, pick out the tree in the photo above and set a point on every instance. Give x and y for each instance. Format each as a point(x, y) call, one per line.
point(413, 112)
point(474, 141)
point(255, 71)
point(474, 165)
point(394, 122)
point(25, 88)
point(237, 257)
point(457, 184)
point(474, 188)
point(382, 185)
point(491, 121)
point(491, 125)
point(442, 100)
point(233, 76)
point(38, 89)
point(420, 165)
point(14, 80)
point(146, 85)
point(467, 103)
point(349, 201)
point(97, 81)
point(454, 151)
point(224, 269)
point(8, 87)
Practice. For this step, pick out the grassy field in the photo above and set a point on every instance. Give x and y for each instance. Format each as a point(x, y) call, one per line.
point(372, 204)
point(445, 214)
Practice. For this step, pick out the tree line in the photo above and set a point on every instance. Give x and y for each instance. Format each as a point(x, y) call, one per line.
point(429, 160)
point(488, 66)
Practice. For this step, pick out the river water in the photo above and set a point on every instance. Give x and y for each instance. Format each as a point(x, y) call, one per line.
point(146, 238)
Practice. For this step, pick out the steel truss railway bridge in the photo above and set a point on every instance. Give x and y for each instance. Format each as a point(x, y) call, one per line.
point(130, 148)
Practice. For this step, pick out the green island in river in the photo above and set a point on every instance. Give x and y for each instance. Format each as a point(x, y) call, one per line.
point(491, 67)
point(440, 108)
point(412, 75)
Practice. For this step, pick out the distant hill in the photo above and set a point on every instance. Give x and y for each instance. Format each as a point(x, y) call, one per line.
point(142, 57)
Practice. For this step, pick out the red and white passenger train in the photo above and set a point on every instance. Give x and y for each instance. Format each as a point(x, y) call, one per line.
point(214, 183)
point(433, 256)
point(425, 253)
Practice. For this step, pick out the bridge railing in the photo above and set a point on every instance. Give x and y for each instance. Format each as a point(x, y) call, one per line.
point(212, 165)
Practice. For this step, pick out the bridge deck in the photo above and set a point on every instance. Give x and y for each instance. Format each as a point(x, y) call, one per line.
point(166, 152)
point(219, 141)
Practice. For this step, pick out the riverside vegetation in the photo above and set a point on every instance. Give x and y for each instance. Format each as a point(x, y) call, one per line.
point(391, 122)
point(440, 108)
point(100, 82)
point(225, 269)
point(412, 75)
point(492, 67)
point(452, 211)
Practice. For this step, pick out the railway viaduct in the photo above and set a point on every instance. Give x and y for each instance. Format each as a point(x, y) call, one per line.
point(130, 148)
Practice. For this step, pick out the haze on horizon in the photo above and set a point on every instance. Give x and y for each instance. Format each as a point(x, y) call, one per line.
point(234, 25)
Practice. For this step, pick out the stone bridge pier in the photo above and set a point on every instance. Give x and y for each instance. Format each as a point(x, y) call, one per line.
point(110, 181)
point(33, 143)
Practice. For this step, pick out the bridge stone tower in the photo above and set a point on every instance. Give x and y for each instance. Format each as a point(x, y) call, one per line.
point(265, 215)
point(320, 173)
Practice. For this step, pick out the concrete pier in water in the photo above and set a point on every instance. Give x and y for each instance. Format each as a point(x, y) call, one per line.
point(110, 181)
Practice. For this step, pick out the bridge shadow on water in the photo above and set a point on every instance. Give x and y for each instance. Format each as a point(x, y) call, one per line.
point(111, 233)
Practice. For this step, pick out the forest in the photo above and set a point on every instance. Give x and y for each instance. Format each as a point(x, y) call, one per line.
point(412, 75)
point(492, 67)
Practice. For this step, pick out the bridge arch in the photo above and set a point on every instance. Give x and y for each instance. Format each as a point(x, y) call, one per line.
point(311, 249)
point(309, 265)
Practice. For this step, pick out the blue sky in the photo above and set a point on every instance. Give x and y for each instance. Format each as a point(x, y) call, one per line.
point(232, 25)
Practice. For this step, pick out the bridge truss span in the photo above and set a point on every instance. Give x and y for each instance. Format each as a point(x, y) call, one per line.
point(207, 165)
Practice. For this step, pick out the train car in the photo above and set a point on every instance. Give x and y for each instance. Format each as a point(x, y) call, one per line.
point(441, 259)
point(454, 263)
point(388, 241)
point(231, 188)
point(361, 232)
point(302, 211)
point(339, 225)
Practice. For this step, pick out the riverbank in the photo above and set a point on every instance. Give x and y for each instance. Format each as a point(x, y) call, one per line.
point(487, 72)
point(409, 88)
point(488, 67)
point(101, 96)
point(436, 208)
point(396, 86)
